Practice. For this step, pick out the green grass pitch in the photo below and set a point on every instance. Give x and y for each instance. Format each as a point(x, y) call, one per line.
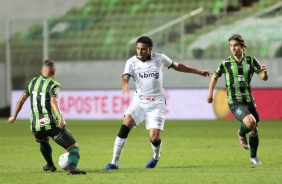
point(194, 151)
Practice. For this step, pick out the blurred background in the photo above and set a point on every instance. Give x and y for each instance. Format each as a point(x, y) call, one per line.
point(90, 40)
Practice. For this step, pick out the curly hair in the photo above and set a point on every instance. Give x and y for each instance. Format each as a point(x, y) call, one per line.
point(146, 40)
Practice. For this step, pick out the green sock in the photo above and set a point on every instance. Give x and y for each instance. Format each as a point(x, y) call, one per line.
point(244, 130)
point(46, 151)
point(74, 155)
point(254, 142)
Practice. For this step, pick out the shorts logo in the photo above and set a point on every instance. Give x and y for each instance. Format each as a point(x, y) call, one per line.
point(58, 136)
point(159, 120)
point(238, 111)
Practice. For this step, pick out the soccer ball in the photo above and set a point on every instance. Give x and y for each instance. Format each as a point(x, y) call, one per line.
point(63, 160)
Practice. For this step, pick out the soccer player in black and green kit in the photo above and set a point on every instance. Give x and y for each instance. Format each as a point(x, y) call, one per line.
point(239, 69)
point(46, 119)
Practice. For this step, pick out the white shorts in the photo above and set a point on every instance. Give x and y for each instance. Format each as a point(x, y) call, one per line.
point(150, 109)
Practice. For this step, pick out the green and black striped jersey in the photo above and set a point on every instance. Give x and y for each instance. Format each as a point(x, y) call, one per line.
point(41, 89)
point(238, 76)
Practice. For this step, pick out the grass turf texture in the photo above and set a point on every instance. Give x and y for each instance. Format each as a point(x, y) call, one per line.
point(194, 151)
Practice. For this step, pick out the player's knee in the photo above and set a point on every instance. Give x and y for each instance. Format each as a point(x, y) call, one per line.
point(154, 135)
point(70, 147)
point(254, 131)
point(129, 121)
point(123, 131)
point(250, 121)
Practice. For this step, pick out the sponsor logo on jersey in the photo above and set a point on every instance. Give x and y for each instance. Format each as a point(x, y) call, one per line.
point(241, 78)
point(243, 94)
point(42, 121)
point(241, 82)
point(148, 75)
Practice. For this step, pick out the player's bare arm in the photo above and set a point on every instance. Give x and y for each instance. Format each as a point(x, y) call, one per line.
point(184, 68)
point(263, 74)
point(56, 108)
point(124, 84)
point(211, 88)
point(18, 107)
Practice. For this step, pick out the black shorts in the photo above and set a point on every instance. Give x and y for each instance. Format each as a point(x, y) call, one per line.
point(241, 110)
point(61, 136)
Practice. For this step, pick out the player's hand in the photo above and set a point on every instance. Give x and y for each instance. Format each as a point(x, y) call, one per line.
point(125, 90)
point(62, 123)
point(205, 73)
point(11, 120)
point(209, 98)
point(263, 67)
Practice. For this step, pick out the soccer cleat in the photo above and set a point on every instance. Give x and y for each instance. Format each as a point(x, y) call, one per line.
point(76, 171)
point(110, 166)
point(255, 160)
point(152, 163)
point(51, 168)
point(243, 141)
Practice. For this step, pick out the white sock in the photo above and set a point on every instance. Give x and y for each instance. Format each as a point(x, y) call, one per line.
point(157, 151)
point(118, 146)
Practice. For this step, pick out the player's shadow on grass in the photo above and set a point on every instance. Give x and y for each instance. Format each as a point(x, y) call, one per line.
point(141, 169)
point(179, 167)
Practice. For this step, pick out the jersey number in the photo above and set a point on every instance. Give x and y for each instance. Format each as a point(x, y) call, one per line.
point(42, 101)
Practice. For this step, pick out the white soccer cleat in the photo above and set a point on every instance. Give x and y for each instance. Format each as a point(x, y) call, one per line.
point(255, 160)
point(243, 141)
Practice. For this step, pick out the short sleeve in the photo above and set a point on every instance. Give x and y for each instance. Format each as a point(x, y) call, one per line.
point(27, 89)
point(167, 61)
point(128, 68)
point(55, 90)
point(220, 70)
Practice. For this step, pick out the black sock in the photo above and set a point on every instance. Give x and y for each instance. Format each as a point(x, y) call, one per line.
point(46, 151)
point(254, 142)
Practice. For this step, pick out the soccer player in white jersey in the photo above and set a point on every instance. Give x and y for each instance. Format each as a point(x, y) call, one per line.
point(149, 101)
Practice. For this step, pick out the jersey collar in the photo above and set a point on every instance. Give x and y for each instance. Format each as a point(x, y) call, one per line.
point(44, 77)
point(241, 59)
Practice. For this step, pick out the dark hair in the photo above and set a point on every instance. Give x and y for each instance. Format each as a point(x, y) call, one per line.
point(146, 40)
point(239, 39)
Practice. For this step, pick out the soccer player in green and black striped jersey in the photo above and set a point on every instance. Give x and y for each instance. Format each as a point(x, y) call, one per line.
point(239, 69)
point(46, 119)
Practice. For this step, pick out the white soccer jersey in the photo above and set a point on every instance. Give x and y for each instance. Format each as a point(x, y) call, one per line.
point(148, 75)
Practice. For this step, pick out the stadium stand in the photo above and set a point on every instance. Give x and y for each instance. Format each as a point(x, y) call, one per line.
point(101, 29)
point(265, 43)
